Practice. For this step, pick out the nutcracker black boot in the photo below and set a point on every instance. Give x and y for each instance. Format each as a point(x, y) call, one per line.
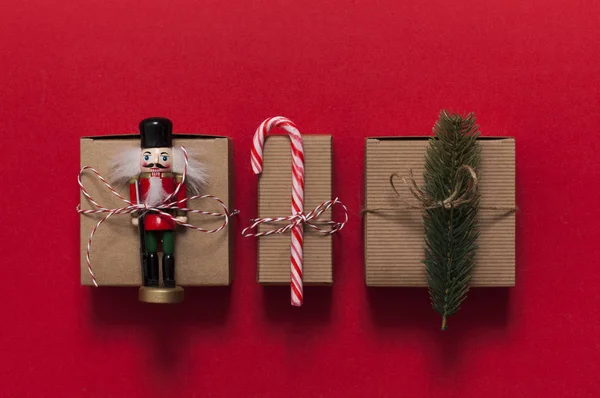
point(152, 275)
point(145, 270)
point(168, 263)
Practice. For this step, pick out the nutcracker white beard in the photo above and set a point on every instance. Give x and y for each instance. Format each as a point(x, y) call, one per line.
point(156, 193)
point(126, 165)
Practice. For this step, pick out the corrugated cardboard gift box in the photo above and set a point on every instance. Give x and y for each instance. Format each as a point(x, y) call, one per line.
point(274, 200)
point(201, 259)
point(393, 233)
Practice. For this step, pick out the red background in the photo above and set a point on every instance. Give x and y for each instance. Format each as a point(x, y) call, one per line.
point(352, 69)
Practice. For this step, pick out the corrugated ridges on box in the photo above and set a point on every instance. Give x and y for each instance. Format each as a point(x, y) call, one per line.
point(201, 259)
point(394, 239)
point(274, 200)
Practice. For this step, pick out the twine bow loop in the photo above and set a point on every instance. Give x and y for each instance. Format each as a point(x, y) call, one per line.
point(453, 200)
point(311, 219)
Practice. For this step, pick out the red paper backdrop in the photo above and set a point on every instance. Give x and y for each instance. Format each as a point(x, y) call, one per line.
point(352, 69)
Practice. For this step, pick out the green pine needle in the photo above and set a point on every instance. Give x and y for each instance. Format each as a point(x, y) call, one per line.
point(450, 233)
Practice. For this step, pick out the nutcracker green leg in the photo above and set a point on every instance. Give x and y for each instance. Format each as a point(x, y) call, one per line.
point(151, 277)
point(168, 241)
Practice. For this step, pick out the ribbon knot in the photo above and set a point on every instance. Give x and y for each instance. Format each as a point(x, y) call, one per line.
point(143, 208)
point(300, 219)
point(310, 219)
point(427, 202)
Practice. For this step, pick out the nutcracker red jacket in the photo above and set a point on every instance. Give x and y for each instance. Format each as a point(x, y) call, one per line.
point(153, 221)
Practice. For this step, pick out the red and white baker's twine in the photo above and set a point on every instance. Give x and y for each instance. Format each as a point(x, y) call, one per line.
point(298, 217)
point(310, 219)
point(141, 207)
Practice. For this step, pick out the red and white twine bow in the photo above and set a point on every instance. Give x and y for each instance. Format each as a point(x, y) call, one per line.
point(298, 218)
point(141, 207)
point(310, 219)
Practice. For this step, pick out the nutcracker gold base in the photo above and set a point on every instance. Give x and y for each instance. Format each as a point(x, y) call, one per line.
point(161, 295)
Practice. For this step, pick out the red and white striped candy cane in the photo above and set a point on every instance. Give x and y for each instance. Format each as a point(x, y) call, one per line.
point(297, 193)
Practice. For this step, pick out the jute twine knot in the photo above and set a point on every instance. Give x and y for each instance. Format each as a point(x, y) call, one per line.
point(427, 202)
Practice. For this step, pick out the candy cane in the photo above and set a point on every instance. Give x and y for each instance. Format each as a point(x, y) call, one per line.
point(297, 193)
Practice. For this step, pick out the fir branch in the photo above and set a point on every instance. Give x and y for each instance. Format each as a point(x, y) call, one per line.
point(450, 232)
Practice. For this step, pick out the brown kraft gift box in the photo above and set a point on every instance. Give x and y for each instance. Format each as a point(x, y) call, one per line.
point(202, 259)
point(275, 200)
point(394, 239)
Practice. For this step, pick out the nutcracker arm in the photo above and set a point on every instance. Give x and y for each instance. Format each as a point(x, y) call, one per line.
point(134, 190)
point(181, 195)
point(134, 193)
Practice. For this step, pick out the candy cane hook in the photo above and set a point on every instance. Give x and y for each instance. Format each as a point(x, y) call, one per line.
point(297, 193)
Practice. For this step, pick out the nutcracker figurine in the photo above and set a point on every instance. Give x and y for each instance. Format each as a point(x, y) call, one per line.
point(158, 171)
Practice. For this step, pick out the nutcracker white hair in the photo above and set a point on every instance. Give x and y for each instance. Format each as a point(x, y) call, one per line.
point(126, 165)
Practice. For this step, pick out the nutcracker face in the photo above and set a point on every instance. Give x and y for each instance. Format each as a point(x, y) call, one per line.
point(156, 160)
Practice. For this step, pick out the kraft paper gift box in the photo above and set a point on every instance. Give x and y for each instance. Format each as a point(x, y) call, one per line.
point(274, 200)
point(201, 259)
point(394, 239)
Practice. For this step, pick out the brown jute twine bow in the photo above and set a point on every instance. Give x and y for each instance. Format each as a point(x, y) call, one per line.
point(426, 202)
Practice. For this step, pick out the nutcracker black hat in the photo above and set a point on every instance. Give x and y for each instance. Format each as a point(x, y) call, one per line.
point(156, 132)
